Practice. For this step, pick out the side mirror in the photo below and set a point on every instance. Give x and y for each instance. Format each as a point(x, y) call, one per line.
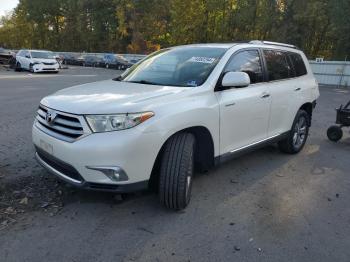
point(27, 56)
point(235, 79)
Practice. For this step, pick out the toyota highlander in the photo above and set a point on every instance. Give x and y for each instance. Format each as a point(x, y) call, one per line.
point(179, 111)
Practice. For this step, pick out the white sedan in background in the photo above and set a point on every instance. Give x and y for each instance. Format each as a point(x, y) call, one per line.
point(36, 61)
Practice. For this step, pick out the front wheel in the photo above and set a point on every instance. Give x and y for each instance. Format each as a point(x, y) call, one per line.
point(334, 133)
point(18, 67)
point(31, 69)
point(176, 171)
point(297, 136)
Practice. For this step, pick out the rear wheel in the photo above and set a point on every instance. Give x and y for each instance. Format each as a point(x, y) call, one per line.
point(297, 136)
point(176, 171)
point(334, 133)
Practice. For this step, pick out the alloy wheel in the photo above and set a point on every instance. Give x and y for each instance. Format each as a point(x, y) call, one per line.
point(300, 130)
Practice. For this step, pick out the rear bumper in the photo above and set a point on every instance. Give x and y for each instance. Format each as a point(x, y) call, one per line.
point(70, 175)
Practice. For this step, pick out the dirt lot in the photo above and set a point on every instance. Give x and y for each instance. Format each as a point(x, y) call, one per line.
point(264, 206)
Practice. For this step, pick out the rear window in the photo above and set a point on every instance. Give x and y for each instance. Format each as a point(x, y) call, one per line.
point(298, 64)
point(277, 65)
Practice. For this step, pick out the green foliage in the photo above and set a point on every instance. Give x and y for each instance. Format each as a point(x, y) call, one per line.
point(319, 27)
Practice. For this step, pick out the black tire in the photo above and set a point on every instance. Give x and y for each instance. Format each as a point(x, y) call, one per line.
point(297, 136)
point(18, 67)
point(176, 171)
point(334, 133)
point(31, 69)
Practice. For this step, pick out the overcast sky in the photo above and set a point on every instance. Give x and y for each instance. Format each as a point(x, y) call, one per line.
point(7, 5)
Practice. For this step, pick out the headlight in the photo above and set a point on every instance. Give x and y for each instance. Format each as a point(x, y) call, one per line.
point(107, 123)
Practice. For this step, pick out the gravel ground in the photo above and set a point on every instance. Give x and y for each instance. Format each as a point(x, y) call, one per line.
point(264, 206)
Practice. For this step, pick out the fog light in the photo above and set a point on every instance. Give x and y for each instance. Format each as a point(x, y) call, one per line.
point(114, 173)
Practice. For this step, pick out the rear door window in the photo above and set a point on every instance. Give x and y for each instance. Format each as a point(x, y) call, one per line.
point(277, 64)
point(298, 64)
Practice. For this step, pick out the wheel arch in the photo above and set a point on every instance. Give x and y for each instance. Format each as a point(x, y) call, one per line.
point(308, 107)
point(204, 152)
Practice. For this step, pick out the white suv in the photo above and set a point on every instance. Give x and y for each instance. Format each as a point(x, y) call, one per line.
point(179, 110)
point(36, 61)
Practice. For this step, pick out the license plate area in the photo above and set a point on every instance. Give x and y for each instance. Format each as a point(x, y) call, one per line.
point(47, 147)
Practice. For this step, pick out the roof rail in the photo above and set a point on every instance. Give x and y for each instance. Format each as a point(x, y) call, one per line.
point(258, 42)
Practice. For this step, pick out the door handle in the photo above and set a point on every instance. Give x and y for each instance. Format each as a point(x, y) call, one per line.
point(265, 95)
point(297, 89)
point(230, 104)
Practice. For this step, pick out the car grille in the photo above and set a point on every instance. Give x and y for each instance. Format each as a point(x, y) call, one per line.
point(64, 126)
point(48, 63)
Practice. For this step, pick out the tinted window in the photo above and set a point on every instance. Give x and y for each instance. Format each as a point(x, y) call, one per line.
point(298, 64)
point(277, 65)
point(248, 62)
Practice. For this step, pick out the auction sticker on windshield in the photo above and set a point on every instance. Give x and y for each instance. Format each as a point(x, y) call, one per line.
point(206, 60)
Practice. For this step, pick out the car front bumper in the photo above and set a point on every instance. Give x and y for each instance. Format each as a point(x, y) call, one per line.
point(46, 68)
point(79, 163)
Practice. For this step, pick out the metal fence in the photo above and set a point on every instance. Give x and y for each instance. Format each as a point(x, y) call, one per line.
point(335, 73)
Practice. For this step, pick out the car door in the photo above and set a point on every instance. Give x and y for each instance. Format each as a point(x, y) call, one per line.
point(244, 112)
point(19, 56)
point(25, 60)
point(283, 87)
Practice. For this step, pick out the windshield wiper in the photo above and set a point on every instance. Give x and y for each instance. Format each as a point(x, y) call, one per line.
point(145, 82)
point(118, 78)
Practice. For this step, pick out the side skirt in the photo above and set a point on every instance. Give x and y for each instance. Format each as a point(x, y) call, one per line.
point(249, 148)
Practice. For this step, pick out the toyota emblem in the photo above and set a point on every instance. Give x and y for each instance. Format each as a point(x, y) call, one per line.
point(50, 117)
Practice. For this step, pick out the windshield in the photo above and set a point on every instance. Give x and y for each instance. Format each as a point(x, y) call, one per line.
point(185, 66)
point(44, 55)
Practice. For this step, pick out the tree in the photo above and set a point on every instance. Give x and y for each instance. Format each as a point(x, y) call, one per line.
point(319, 27)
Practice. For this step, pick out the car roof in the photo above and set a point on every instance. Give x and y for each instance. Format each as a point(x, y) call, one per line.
point(247, 44)
point(39, 51)
point(214, 45)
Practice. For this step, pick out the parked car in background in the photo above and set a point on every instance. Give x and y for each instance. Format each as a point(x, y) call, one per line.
point(69, 58)
point(12, 61)
point(129, 133)
point(5, 56)
point(93, 61)
point(36, 61)
point(79, 60)
point(133, 58)
point(116, 62)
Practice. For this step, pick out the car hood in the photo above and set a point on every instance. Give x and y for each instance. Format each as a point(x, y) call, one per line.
point(109, 97)
point(43, 60)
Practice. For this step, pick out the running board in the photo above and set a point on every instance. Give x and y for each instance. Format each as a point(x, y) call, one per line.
point(249, 148)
